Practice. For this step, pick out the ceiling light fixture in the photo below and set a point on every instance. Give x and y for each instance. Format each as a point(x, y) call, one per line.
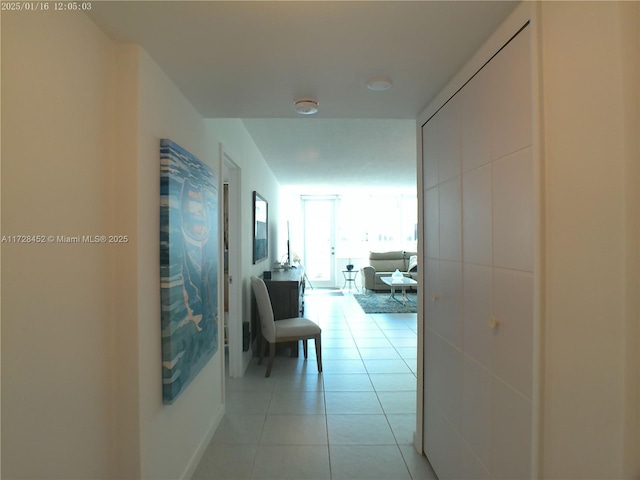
point(377, 84)
point(306, 106)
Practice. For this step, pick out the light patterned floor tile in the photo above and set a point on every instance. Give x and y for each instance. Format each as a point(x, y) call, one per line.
point(239, 429)
point(398, 402)
point(294, 430)
point(386, 366)
point(331, 367)
point(226, 462)
point(389, 382)
point(359, 403)
point(348, 382)
point(359, 430)
point(368, 462)
point(284, 402)
point(291, 463)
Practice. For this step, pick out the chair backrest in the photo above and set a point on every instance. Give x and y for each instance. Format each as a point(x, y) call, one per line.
point(264, 309)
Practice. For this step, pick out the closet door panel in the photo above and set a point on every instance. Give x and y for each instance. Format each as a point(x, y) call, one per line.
point(432, 303)
point(476, 216)
point(432, 223)
point(448, 131)
point(513, 348)
point(511, 98)
point(475, 122)
point(449, 321)
point(513, 211)
point(471, 466)
point(477, 309)
point(450, 219)
point(510, 433)
point(476, 411)
point(444, 445)
point(432, 370)
point(430, 155)
point(447, 381)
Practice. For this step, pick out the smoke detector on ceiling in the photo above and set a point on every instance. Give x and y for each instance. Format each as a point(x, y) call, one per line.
point(377, 84)
point(306, 106)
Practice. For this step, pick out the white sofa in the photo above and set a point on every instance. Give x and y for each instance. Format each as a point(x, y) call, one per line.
point(383, 264)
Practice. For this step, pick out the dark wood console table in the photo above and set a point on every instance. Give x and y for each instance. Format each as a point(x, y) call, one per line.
point(286, 290)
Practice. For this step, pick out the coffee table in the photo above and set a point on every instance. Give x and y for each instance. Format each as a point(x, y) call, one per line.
point(401, 283)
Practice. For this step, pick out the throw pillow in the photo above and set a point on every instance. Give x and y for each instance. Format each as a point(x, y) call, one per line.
point(413, 263)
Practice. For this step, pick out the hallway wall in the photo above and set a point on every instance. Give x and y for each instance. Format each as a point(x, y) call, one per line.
point(82, 119)
point(57, 305)
point(169, 436)
point(589, 54)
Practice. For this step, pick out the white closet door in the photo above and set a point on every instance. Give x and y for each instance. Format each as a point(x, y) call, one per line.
point(479, 224)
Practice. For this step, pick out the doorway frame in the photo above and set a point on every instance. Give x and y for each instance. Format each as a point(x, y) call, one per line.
point(232, 175)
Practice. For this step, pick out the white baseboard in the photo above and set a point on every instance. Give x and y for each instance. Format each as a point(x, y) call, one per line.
point(197, 455)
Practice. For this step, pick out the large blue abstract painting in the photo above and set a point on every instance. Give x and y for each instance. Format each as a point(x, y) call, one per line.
point(188, 267)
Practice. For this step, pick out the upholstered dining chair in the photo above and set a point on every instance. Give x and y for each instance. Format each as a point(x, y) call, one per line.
point(286, 330)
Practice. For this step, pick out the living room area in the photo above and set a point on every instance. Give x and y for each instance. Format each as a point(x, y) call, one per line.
point(334, 236)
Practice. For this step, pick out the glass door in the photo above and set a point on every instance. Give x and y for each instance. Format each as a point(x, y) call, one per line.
point(319, 241)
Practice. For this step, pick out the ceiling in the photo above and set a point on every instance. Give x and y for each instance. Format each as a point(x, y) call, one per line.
point(252, 60)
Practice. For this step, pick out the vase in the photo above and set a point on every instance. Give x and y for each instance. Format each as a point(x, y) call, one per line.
point(397, 275)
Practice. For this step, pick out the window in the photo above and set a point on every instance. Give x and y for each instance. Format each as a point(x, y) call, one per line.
point(376, 223)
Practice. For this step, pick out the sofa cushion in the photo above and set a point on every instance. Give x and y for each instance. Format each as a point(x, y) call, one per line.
point(394, 255)
point(387, 265)
point(387, 261)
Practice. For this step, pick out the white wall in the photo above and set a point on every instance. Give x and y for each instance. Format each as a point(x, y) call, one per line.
point(589, 59)
point(255, 175)
point(57, 131)
point(82, 120)
point(169, 435)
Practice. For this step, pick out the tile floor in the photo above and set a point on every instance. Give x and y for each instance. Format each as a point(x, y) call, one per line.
point(355, 421)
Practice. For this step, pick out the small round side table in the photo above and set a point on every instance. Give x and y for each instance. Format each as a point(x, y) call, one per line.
point(350, 279)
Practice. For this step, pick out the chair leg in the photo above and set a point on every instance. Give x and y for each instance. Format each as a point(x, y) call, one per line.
point(305, 348)
point(318, 352)
point(263, 347)
point(272, 354)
